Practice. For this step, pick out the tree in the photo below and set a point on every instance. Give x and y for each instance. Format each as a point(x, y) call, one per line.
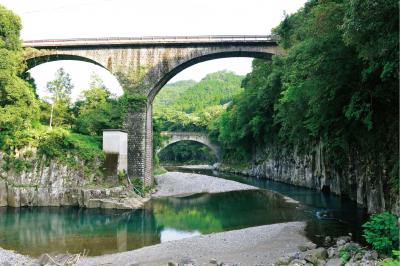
point(97, 110)
point(18, 105)
point(60, 89)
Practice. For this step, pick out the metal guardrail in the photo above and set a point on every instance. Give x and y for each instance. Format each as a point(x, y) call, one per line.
point(151, 40)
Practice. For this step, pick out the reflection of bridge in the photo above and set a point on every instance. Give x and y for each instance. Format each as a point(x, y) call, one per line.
point(173, 137)
point(143, 65)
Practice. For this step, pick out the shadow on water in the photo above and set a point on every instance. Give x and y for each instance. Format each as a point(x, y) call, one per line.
point(328, 214)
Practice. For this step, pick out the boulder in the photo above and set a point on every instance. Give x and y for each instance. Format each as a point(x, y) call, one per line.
point(340, 241)
point(334, 262)
point(316, 256)
point(297, 262)
point(307, 246)
point(331, 252)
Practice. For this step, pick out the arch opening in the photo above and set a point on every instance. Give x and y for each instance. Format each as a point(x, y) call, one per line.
point(175, 71)
point(187, 152)
point(35, 61)
point(81, 73)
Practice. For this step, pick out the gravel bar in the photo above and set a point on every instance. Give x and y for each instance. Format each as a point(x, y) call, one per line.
point(184, 184)
point(259, 245)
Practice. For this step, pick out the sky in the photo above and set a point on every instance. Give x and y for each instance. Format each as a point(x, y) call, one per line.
point(50, 19)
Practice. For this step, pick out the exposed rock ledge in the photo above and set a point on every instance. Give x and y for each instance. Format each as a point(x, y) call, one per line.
point(108, 198)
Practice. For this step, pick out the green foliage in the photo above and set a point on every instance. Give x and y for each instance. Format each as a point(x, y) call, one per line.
point(139, 187)
point(70, 147)
point(349, 251)
point(18, 105)
point(121, 175)
point(98, 110)
point(337, 84)
point(344, 256)
point(171, 92)
point(186, 152)
point(382, 232)
point(132, 79)
point(394, 261)
point(191, 106)
point(60, 89)
point(249, 118)
point(134, 102)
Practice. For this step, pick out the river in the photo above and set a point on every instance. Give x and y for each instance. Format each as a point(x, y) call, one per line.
point(33, 231)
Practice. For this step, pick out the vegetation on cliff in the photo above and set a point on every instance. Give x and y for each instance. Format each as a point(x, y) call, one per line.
point(337, 84)
point(31, 128)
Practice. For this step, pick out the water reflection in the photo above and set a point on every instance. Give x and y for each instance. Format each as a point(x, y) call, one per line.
point(35, 231)
point(169, 234)
point(330, 214)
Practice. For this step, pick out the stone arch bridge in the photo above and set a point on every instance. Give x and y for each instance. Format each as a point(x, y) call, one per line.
point(173, 137)
point(143, 65)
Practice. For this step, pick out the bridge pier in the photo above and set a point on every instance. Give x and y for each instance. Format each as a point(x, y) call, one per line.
point(138, 124)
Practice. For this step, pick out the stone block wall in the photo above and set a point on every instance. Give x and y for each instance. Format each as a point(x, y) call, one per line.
point(135, 125)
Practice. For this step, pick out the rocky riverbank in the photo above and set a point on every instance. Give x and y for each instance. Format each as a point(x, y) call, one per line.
point(360, 180)
point(54, 183)
point(107, 198)
point(337, 252)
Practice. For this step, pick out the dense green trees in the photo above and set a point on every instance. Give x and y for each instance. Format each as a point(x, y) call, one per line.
point(19, 108)
point(336, 85)
point(187, 152)
point(97, 110)
point(191, 106)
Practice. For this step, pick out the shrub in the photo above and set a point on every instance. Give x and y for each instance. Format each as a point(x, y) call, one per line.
point(382, 232)
point(394, 261)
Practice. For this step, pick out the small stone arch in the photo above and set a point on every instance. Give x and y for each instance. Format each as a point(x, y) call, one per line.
point(174, 137)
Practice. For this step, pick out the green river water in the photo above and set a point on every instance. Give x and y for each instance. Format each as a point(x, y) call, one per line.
point(34, 231)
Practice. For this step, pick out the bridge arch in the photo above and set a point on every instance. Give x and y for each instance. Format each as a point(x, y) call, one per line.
point(174, 137)
point(33, 61)
point(199, 59)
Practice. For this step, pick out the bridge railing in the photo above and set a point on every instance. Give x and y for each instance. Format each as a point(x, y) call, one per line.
point(151, 39)
point(182, 134)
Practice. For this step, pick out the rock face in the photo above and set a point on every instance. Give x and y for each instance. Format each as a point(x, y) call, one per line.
point(3, 193)
point(55, 184)
point(360, 179)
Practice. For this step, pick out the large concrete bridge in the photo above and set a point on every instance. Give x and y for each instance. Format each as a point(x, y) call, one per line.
point(143, 66)
point(173, 137)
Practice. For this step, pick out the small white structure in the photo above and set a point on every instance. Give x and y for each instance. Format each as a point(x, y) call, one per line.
point(115, 141)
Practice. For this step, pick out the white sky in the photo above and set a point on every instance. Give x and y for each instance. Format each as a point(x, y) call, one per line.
point(50, 19)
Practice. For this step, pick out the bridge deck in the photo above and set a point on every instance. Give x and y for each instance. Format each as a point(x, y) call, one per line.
point(152, 40)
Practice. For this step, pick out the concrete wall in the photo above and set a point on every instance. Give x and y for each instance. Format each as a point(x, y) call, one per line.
point(116, 142)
